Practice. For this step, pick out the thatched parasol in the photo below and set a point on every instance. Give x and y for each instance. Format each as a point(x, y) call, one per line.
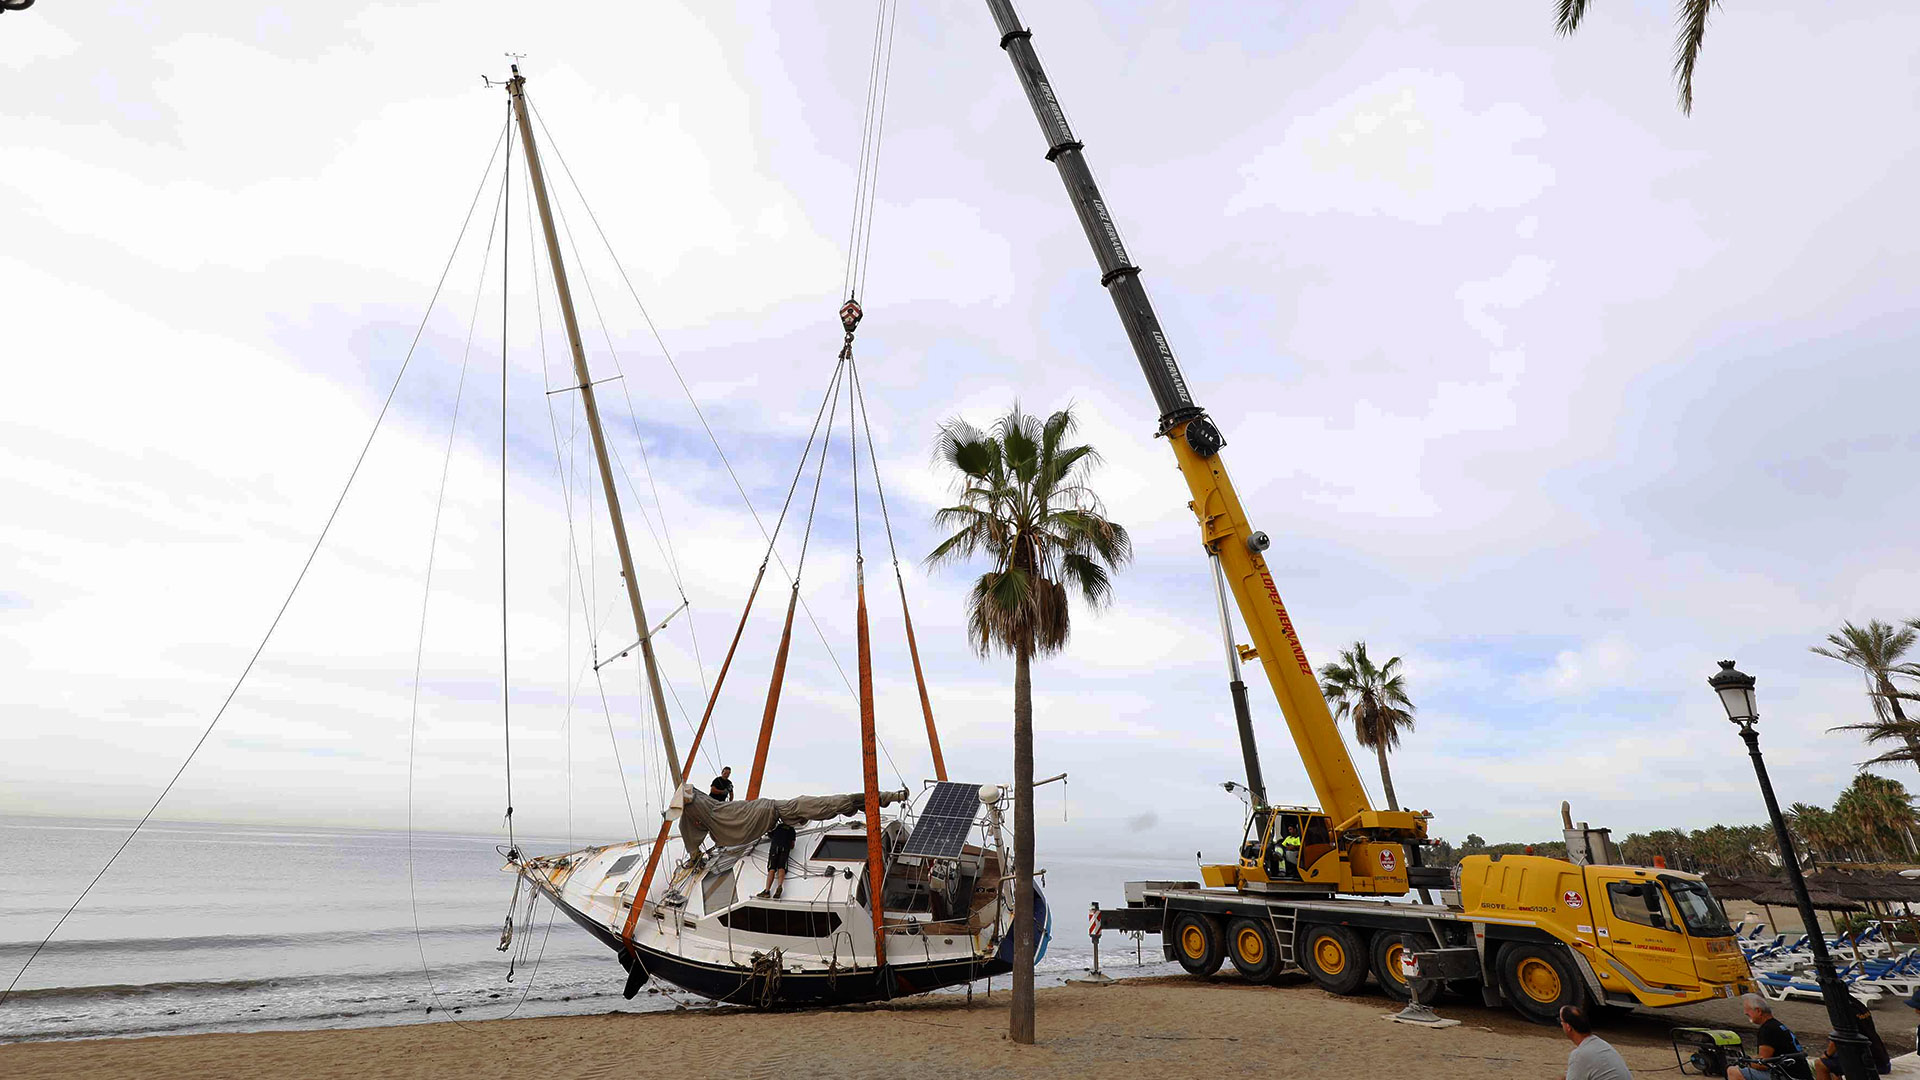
point(1727, 888)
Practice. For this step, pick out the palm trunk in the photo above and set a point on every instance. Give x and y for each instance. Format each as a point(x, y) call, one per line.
point(1386, 778)
point(1020, 1022)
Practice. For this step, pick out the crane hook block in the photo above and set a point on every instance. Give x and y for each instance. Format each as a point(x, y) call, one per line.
point(850, 315)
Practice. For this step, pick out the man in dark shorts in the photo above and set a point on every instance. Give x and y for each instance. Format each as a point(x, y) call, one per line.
point(781, 840)
point(721, 790)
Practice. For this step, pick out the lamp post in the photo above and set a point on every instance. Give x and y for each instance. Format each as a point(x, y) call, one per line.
point(1735, 689)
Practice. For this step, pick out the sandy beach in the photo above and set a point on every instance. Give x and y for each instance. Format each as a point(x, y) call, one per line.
point(1135, 1028)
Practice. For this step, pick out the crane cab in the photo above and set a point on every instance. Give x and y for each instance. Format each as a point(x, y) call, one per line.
point(1278, 843)
point(1324, 860)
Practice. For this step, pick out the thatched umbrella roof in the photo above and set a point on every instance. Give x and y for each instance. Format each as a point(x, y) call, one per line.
point(1727, 888)
point(1878, 891)
point(1778, 894)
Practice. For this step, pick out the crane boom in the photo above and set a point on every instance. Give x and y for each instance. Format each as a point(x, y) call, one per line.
point(1224, 529)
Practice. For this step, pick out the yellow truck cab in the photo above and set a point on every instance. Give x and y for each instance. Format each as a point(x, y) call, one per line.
point(1631, 935)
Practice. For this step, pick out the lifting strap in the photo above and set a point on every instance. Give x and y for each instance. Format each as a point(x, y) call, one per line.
point(920, 680)
point(869, 742)
point(870, 774)
point(660, 842)
point(829, 408)
point(906, 614)
point(773, 698)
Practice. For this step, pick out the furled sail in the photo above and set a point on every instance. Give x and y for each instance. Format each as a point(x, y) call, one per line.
point(730, 823)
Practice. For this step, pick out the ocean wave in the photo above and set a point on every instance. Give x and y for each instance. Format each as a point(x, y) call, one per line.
point(369, 985)
point(76, 946)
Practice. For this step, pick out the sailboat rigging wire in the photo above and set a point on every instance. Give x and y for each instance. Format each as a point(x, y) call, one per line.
point(506, 682)
point(560, 467)
point(687, 390)
point(666, 551)
point(701, 415)
point(501, 206)
point(305, 566)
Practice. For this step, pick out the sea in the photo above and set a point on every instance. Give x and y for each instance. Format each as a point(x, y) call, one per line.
point(205, 927)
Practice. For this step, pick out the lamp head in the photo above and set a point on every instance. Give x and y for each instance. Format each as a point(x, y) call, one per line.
point(1735, 688)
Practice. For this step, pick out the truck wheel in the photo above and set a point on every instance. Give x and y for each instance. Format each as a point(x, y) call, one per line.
point(1334, 958)
point(1196, 943)
point(1387, 950)
point(1251, 948)
point(1540, 981)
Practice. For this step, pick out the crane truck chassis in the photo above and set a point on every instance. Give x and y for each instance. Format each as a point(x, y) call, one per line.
point(1531, 932)
point(1536, 932)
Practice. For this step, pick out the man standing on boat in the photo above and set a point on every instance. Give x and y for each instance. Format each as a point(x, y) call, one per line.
point(721, 790)
point(780, 845)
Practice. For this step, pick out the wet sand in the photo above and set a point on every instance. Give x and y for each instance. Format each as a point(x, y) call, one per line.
point(1133, 1029)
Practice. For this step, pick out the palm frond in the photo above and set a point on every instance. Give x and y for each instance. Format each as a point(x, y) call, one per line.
point(1571, 12)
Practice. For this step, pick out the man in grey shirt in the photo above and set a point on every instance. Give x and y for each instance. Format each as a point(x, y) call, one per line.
point(1592, 1058)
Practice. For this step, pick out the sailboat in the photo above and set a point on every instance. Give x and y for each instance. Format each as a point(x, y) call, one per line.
point(871, 907)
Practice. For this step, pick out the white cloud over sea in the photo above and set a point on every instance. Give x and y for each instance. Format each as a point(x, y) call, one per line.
point(1551, 390)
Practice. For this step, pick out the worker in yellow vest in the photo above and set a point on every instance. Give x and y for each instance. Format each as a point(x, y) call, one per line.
point(1290, 849)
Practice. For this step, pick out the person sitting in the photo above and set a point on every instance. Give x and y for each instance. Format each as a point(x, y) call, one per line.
point(721, 790)
point(1592, 1057)
point(1774, 1039)
point(1290, 850)
point(780, 845)
point(1828, 1067)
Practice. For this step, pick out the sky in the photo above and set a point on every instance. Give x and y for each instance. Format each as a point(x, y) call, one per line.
point(1552, 391)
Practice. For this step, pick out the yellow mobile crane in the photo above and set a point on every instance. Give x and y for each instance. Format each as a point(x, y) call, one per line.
point(1539, 933)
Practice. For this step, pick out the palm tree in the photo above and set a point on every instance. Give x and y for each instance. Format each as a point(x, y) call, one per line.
point(1876, 650)
point(1878, 813)
point(1376, 698)
point(1023, 503)
point(1686, 47)
point(1816, 829)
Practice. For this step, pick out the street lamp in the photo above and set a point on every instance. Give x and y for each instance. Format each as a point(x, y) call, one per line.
point(1735, 689)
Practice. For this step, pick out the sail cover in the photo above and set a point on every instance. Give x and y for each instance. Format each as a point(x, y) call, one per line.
point(730, 823)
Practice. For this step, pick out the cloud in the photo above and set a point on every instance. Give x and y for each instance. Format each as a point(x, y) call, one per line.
point(1406, 145)
point(1555, 394)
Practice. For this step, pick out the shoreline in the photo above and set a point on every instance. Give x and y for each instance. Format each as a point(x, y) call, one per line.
point(1148, 1026)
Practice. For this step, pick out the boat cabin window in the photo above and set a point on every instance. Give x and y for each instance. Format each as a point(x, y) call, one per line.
point(1698, 909)
point(622, 864)
point(781, 922)
point(841, 849)
point(1638, 902)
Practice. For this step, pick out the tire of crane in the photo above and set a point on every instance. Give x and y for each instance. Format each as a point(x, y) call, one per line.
point(1334, 957)
point(1198, 943)
point(1540, 980)
point(1388, 947)
point(1251, 947)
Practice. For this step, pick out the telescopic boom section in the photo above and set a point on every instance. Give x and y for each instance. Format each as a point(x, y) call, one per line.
point(1196, 443)
point(516, 90)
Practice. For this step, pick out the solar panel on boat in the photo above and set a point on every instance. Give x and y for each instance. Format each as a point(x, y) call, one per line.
point(945, 821)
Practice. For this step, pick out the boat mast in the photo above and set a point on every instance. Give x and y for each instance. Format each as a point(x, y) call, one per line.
point(516, 88)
